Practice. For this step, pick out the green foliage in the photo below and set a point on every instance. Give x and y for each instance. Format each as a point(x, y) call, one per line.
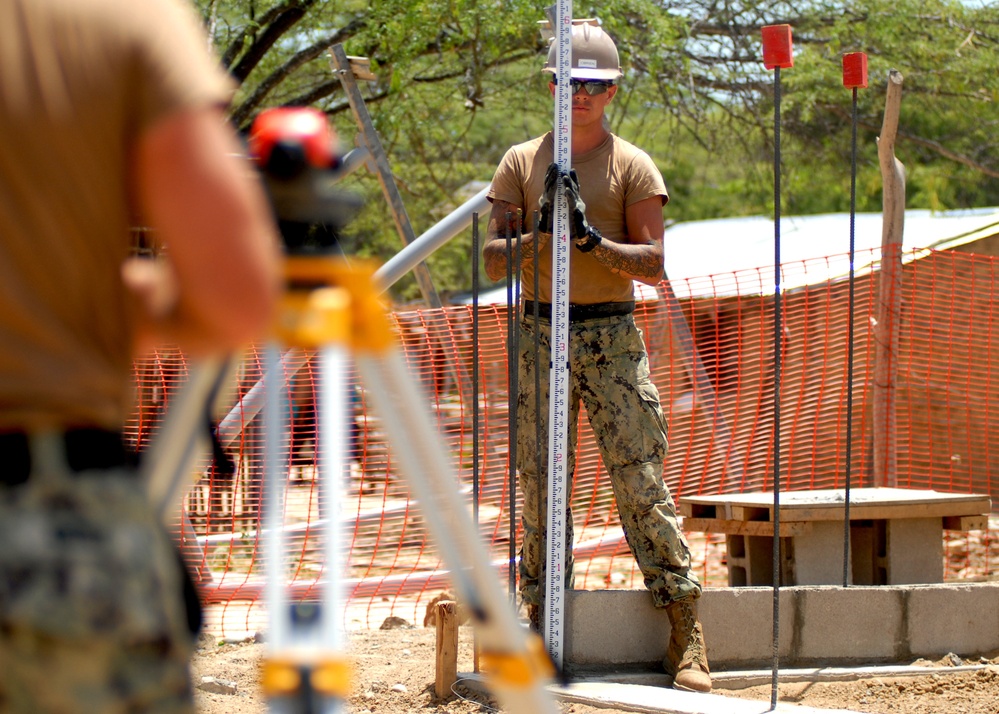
point(456, 90)
point(944, 50)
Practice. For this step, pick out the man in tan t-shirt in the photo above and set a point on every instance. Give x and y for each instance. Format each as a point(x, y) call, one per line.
point(111, 113)
point(616, 195)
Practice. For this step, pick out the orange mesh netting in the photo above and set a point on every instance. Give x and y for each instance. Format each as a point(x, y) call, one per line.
point(710, 343)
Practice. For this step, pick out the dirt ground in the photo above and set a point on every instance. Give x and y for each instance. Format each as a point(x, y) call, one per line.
point(394, 672)
point(394, 669)
point(974, 692)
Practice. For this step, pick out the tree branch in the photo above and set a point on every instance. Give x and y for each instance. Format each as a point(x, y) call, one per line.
point(213, 16)
point(241, 113)
point(271, 34)
point(236, 44)
point(927, 143)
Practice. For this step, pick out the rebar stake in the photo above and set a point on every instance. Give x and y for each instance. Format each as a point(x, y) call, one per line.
point(854, 77)
point(777, 53)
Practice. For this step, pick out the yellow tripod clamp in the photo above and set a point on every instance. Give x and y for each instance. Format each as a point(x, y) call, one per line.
point(328, 301)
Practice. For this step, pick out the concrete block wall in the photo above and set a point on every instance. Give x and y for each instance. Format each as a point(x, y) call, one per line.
point(819, 626)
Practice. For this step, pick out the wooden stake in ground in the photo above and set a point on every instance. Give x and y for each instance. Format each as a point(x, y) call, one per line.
point(889, 302)
point(447, 647)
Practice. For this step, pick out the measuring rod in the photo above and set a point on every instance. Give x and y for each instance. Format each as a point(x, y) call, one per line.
point(560, 16)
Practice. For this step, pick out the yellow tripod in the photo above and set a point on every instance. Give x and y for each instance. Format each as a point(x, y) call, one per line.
point(336, 309)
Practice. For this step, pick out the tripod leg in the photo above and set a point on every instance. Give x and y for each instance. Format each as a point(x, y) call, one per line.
point(351, 314)
point(171, 459)
point(514, 660)
point(306, 670)
point(333, 445)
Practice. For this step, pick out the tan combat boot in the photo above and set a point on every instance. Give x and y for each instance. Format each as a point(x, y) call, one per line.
point(686, 657)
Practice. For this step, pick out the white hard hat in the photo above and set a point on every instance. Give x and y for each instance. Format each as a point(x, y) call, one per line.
point(594, 54)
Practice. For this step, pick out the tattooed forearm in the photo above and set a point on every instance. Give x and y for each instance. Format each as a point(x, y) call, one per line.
point(504, 221)
point(507, 224)
point(642, 262)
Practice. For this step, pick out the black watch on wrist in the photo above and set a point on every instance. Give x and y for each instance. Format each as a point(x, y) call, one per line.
point(590, 241)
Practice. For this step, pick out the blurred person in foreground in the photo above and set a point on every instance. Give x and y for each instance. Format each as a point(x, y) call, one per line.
point(615, 195)
point(111, 116)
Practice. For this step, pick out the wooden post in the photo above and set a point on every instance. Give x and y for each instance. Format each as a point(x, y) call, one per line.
point(344, 68)
point(889, 300)
point(447, 648)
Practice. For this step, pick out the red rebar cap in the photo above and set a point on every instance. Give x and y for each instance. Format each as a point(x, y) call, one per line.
point(855, 70)
point(777, 46)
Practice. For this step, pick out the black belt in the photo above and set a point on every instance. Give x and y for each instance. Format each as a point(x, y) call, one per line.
point(84, 450)
point(582, 313)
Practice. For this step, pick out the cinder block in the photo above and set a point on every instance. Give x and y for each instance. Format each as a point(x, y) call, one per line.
point(963, 619)
point(850, 624)
point(751, 560)
point(614, 627)
point(818, 555)
point(738, 625)
point(914, 551)
point(621, 628)
point(863, 541)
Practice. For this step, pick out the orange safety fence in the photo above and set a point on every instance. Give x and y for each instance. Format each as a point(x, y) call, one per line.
point(710, 343)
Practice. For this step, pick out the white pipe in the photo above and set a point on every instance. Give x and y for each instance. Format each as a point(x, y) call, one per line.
point(405, 260)
point(417, 251)
point(248, 407)
point(391, 585)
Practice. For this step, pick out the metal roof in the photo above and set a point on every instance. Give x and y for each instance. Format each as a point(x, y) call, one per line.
point(735, 256)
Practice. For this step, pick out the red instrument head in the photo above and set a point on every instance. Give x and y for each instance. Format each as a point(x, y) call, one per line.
point(287, 140)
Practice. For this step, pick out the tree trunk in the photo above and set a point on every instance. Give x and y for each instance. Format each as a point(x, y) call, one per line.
point(889, 300)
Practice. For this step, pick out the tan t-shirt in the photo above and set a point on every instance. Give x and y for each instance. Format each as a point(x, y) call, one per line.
point(80, 80)
point(612, 176)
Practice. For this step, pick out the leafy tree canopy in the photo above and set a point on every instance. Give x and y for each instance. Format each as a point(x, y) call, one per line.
point(459, 82)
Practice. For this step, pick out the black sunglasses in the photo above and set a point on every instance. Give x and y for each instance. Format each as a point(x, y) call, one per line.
point(592, 86)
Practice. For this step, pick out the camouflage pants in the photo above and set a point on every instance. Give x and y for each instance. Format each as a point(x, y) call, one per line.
point(91, 614)
point(609, 371)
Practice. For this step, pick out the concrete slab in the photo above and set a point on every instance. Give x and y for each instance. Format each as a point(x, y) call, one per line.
point(641, 698)
point(740, 679)
point(650, 693)
point(654, 695)
point(755, 678)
